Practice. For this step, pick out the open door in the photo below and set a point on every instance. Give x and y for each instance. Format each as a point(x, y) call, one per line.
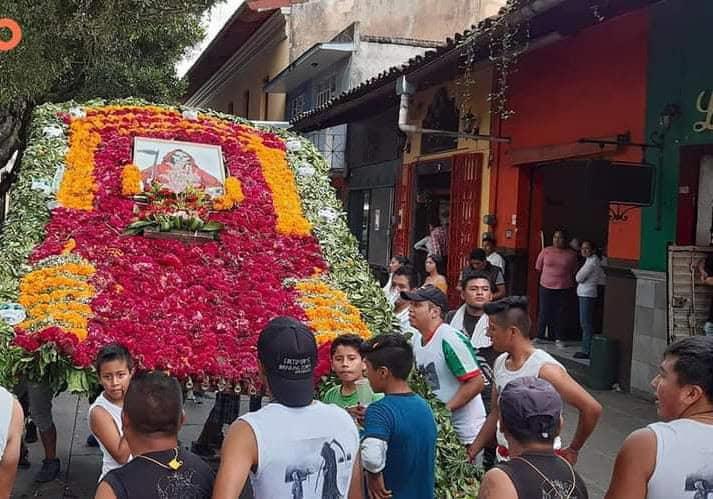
point(466, 180)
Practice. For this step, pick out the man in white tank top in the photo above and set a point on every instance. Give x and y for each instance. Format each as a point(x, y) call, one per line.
point(295, 447)
point(673, 459)
point(509, 330)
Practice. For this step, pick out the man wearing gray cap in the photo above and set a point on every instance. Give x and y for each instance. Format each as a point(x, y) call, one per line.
point(531, 417)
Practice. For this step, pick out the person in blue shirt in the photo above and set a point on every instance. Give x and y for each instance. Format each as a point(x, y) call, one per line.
point(398, 446)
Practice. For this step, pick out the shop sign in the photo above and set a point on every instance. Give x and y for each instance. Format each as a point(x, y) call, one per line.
point(704, 104)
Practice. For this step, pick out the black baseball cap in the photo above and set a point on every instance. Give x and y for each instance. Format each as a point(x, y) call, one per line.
point(531, 407)
point(288, 353)
point(427, 293)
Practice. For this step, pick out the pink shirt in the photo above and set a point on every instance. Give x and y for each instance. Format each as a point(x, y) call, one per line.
point(557, 267)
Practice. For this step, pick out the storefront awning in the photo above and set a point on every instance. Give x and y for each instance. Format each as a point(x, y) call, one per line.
point(315, 60)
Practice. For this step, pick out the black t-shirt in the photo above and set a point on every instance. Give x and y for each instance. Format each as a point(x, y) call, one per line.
point(144, 479)
point(558, 480)
point(469, 321)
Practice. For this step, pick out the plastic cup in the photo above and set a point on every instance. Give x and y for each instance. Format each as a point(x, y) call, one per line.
point(364, 392)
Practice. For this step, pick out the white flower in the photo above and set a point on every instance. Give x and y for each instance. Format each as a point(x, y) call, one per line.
point(328, 214)
point(52, 132)
point(12, 313)
point(190, 114)
point(77, 112)
point(306, 170)
point(293, 145)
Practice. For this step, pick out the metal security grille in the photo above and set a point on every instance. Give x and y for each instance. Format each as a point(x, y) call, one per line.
point(332, 143)
point(404, 206)
point(689, 300)
point(466, 180)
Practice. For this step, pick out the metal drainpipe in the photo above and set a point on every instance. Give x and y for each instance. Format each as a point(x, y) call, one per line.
point(406, 90)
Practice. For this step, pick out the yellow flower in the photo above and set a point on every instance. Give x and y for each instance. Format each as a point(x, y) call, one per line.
point(329, 311)
point(232, 197)
point(131, 180)
point(58, 295)
point(69, 246)
point(281, 181)
point(77, 188)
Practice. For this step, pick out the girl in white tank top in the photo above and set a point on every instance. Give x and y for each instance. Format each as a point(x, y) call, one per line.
point(108, 462)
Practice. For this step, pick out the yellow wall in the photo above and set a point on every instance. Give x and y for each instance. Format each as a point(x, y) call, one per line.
point(252, 78)
point(479, 105)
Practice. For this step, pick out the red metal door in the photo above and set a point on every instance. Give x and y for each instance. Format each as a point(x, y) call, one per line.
point(403, 208)
point(687, 212)
point(466, 180)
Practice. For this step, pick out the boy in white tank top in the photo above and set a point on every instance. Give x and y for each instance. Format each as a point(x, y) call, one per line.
point(673, 459)
point(509, 330)
point(115, 368)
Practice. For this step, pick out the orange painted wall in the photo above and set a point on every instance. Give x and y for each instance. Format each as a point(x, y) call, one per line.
point(592, 84)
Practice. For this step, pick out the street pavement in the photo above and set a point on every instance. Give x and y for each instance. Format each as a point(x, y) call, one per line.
point(622, 414)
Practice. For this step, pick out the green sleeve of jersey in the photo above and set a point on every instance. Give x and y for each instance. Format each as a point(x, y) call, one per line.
point(460, 357)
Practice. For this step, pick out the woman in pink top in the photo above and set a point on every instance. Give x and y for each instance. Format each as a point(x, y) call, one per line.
point(557, 265)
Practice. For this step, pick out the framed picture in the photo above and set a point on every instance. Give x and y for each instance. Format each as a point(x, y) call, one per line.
point(178, 165)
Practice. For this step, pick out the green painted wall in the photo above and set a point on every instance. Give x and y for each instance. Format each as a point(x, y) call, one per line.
point(680, 67)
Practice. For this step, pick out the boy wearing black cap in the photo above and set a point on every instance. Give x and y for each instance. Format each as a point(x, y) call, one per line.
point(295, 447)
point(530, 417)
point(447, 359)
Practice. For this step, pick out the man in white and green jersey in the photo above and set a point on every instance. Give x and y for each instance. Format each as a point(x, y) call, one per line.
point(447, 360)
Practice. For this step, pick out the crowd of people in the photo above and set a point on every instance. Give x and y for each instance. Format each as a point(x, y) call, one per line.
point(370, 435)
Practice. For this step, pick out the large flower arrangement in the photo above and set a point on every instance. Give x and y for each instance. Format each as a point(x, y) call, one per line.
point(192, 309)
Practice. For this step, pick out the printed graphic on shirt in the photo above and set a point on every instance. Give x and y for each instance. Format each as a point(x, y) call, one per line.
point(700, 483)
point(555, 489)
point(431, 375)
point(180, 484)
point(322, 473)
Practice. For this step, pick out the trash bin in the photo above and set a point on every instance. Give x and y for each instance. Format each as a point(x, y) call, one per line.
point(603, 363)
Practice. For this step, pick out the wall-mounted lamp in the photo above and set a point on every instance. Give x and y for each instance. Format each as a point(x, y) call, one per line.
point(668, 115)
point(470, 123)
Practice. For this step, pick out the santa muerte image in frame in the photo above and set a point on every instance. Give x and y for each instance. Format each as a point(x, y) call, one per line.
point(178, 165)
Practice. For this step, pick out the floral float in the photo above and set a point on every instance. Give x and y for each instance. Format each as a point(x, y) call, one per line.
point(75, 260)
point(76, 273)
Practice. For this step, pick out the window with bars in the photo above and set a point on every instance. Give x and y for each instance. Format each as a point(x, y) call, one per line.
point(325, 90)
point(297, 106)
point(332, 144)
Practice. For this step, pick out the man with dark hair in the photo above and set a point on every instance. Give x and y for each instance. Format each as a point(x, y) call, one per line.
point(493, 256)
point(399, 439)
point(447, 360)
point(509, 331)
point(295, 446)
point(404, 280)
point(479, 263)
point(152, 416)
point(672, 458)
point(472, 321)
point(531, 417)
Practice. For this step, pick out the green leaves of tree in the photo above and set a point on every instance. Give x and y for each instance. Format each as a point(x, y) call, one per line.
point(82, 49)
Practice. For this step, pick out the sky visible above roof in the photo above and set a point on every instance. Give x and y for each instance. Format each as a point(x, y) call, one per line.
point(214, 21)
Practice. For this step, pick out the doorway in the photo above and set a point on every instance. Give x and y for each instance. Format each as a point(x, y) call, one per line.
point(432, 203)
point(567, 203)
point(694, 218)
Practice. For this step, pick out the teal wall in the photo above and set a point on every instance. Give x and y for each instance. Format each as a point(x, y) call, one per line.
point(680, 67)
